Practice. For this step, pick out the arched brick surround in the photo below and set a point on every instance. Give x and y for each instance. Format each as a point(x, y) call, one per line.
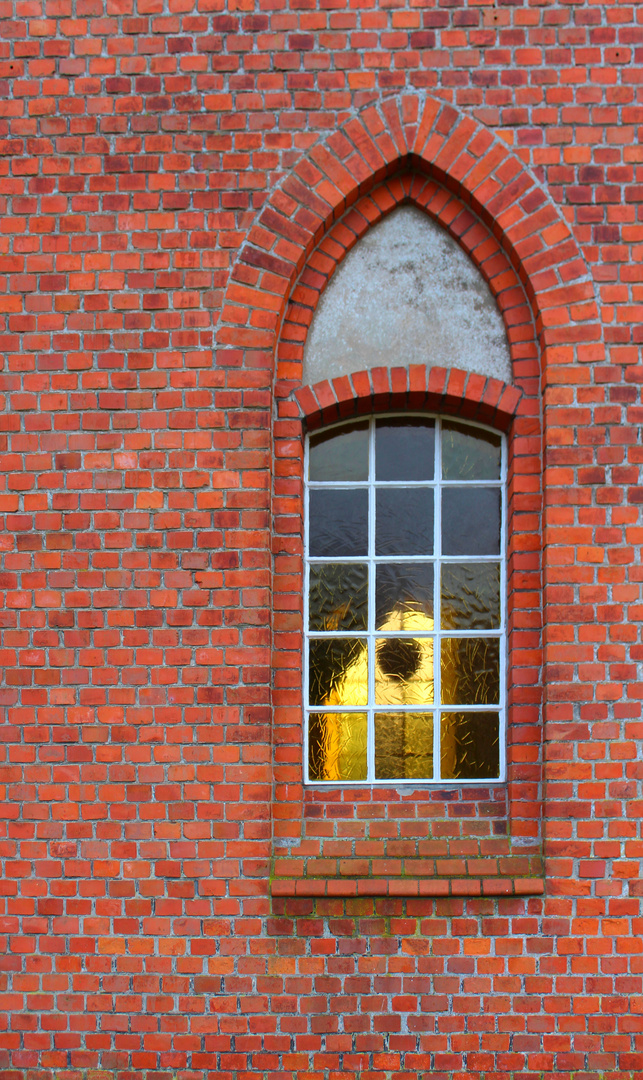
point(458, 393)
point(427, 136)
point(447, 209)
point(426, 153)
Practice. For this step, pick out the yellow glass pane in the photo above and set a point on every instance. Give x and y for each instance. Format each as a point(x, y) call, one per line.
point(404, 671)
point(337, 746)
point(403, 746)
point(470, 746)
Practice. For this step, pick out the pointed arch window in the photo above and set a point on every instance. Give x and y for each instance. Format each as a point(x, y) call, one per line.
point(404, 671)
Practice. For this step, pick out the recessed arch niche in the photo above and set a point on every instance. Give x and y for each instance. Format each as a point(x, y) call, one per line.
point(406, 294)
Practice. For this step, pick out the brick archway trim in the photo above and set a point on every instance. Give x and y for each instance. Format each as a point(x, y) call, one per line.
point(453, 216)
point(436, 389)
point(427, 135)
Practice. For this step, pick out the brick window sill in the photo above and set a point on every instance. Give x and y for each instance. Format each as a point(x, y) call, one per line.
point(407, 887)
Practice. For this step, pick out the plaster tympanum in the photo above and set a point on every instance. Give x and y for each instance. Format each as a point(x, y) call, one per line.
point(406, 294)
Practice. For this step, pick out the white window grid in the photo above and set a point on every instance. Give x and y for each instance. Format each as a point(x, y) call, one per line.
point(370, 635)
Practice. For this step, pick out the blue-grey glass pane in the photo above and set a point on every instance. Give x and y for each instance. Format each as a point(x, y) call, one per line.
point(469, 453)
point(470, 746)
point(403, 590)
point(470, 671)
point(405, 449)
point(338, 522)
point(338, 596)
point(340, 454)
point(471, 521)
point(404, 521)
point(470, 596)
point(403, 746)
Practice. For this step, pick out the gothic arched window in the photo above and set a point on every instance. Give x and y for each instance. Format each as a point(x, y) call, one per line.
point(404, 673)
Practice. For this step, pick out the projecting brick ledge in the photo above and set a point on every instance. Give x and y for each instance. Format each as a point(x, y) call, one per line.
point(407, 887)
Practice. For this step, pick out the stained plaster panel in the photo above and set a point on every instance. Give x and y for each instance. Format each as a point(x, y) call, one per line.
point(406, 294)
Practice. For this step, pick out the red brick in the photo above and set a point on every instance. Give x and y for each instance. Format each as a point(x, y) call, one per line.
point(178, 187)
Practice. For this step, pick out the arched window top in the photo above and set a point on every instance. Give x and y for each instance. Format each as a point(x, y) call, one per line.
point(406, 282)
point(405, 602)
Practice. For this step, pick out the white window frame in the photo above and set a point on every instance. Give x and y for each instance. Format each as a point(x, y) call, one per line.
point(371, 634)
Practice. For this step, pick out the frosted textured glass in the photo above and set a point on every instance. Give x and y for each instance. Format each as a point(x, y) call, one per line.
point(402, 588)
point(339, 455)
point(404, 671)
point(404, 449)
point(469, 746)
point(470, 671)
point(404, 521)
point(469, 453)
point(338, 672)
point(471, 521)
point(403, 746)
point(338, 522)
point(470, 596)
point(337, 746)
point(338, 596)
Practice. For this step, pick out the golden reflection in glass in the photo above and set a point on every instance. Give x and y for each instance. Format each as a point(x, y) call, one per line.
point(470, 746)
point(337, 746)
point(403, 746)
point(338, 671)
point(404, 665)
point(470, 671)
point(403, 676)
point(354, 514)
point(404, 587)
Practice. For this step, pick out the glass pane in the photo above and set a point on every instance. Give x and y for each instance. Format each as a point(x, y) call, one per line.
point(471, 521)
point(404, 521)
point(470, 746)
point(338, 598)
point(405, 449)
point(337, 746)
point(470, 596)
point(404, 596)
point(338, 522)
point(469, 453)
point(403, 746)
point(337, 672)
point(339, 454)
point(404, 671)
point(470, 671)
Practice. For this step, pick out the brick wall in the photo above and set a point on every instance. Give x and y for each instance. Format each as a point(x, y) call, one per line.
point(177, 183)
